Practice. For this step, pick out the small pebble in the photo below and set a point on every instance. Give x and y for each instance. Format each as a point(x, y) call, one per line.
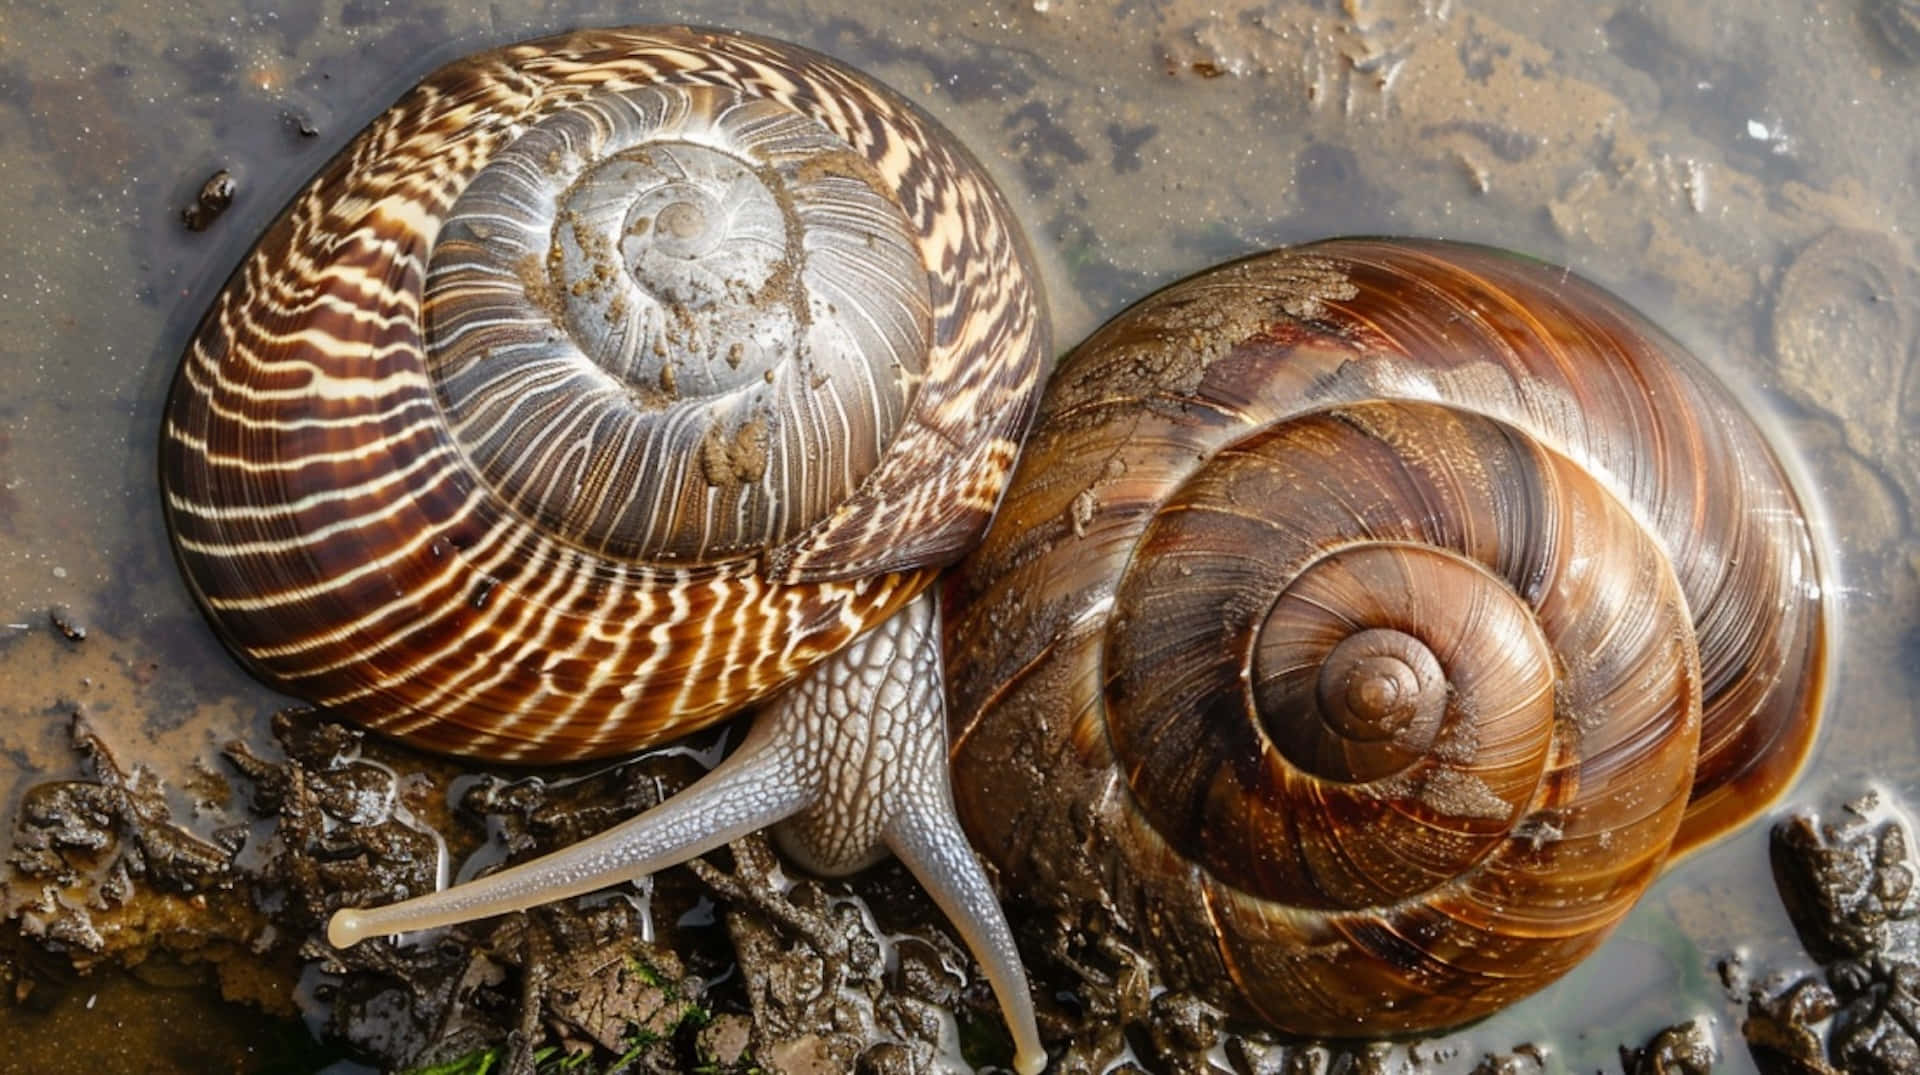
point(215, 195)
point(63, 622)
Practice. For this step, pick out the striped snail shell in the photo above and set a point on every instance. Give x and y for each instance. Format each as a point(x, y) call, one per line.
point(603, 385)
point(1366, 625)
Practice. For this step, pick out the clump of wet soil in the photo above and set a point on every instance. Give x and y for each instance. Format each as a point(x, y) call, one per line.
point(1848, 885)
point(727, 966)
point(731, 964)
point(112, 878)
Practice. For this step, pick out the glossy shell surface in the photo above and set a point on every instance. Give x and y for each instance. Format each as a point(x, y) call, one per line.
point(1368, 623)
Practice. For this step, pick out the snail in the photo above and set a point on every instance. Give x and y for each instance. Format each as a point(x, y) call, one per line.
point(1366, 625)
point(603, 385)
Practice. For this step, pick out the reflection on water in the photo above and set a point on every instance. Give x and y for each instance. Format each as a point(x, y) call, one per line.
point(1743, 177)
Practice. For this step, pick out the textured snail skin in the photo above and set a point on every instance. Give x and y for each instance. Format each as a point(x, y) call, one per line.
point(1368, 623)
point(604, 385)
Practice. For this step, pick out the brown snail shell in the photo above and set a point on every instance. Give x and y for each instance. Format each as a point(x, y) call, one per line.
point(1366, 625)
point(603, 385)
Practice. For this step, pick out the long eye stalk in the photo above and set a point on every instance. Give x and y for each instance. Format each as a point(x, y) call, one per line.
point(850, 761)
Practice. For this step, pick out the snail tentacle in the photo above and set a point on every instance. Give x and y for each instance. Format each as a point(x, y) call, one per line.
point(874, 721)
point(755, 787)
point(848, 764)
point(931, 844)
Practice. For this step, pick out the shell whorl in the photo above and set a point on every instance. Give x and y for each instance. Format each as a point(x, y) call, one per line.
point(1367, 624)
point(600, 386)
point(742, 325)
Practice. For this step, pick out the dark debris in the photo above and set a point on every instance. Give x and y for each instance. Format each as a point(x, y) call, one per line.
point(804, 977)
point(818, 977)
point(1526, 1060)
point(216, 194)
point(111, 830)
point(66, 623)
point(1682, 1049)
point(1849, 887)
point(1782, 1029)
point(629, 980)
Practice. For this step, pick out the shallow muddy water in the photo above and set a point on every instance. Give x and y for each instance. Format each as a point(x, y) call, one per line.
point(1748, 175)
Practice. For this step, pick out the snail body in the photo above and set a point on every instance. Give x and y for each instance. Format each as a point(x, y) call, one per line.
point(1367, 624)
point(604, 385)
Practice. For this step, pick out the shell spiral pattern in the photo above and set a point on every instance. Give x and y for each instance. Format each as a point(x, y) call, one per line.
point(604, 384)
point(1366, 625)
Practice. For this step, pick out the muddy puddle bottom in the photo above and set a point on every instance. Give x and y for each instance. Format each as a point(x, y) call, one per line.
point(1747, 178)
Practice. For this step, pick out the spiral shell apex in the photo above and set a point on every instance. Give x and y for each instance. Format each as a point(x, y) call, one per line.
point(602, 385)
point(1366, 625)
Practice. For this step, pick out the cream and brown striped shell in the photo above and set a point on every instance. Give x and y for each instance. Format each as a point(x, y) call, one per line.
point(603, 384)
